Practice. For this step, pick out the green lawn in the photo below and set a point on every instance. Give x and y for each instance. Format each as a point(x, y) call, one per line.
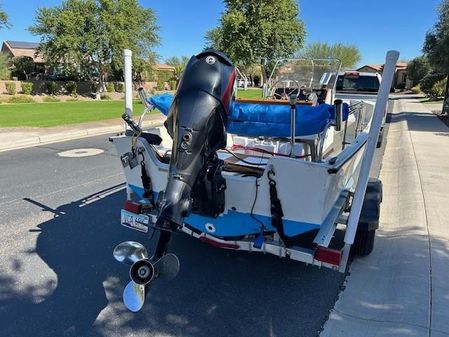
point(249, 93)
point(61, 113)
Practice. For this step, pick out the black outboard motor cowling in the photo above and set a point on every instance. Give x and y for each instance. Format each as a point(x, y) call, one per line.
point(196, 122)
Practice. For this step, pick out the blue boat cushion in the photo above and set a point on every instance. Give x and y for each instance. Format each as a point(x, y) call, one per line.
point(162, 102)
point(252, 120)
point(270, 120)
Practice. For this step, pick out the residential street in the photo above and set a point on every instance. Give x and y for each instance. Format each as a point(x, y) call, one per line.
point(60, 222)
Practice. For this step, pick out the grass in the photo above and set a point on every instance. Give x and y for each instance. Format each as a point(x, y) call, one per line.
point(21, 99)
point(61, 113)
point(249, 93)
point(74, 112)
point(51, 99)
point(431, 100)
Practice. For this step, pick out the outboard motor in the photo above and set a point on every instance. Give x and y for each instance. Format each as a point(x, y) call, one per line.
point(196, 122)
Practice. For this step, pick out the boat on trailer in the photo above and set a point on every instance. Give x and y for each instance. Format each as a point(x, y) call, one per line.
point(273, 175)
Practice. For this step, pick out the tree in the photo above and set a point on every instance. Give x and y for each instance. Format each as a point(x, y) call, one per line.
point(4, 23)
point(436, 47)
point(349, 55)
point(179, 64)
point(417, 69)
point(253, 30)
point(4, 67)
point(22, 66)
point(87, 37)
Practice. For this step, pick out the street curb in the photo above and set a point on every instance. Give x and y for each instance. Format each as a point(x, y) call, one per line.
point(34, 140)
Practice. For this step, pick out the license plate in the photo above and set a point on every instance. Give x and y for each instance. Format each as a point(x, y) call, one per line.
point(135, 221)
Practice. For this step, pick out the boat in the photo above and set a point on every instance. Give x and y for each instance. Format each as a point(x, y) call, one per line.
point(274, 175)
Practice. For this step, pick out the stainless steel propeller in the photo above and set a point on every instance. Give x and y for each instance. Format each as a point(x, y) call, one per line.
point(134, 296)
point(129, 252)
point(167, 267)
point(143, 271)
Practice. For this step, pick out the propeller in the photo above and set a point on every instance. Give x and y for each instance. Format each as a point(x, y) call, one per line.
point(143, 271)
point(129, 252)
point(134, 296)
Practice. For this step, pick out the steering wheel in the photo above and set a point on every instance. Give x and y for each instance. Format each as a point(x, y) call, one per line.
point(287, 91)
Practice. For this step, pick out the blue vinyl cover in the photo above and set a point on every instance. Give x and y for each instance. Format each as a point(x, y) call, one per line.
point(162, 102)
point(270, 120)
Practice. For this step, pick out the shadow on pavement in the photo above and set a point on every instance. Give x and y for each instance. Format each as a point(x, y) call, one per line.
point(217, 292)
point(421, 121)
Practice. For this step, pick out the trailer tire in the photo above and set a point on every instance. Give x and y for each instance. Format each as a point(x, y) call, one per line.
point(363, 243)
point(369, 220)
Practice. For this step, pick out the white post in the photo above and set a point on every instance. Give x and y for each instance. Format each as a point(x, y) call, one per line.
point(127, 73)
point(376, 124)
point(127, 55)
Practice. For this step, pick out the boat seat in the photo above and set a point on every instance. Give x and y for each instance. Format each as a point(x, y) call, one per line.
point(267, 118)
point(272, 101)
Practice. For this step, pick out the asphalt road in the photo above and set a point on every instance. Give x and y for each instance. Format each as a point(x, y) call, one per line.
point(59, 220)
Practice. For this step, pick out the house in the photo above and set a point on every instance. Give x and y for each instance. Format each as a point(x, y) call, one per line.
point(400, 80)
point(19, 48)
point(164, 67)
point(371, 68)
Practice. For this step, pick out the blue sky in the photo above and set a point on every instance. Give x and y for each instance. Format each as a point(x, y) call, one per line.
point(373, 26)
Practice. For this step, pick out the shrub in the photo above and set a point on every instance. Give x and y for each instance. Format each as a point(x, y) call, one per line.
point(438, 89)
point(71, 87)
point(105, 97)
point(119, 87)
point(417, 69)
point(416, 90)
point(10, 88)
point(94, 86)
point(110, 87)
point(51, 87)
point(27, 88)
point(21, 99)
point(37, 87)
point(5, 73)
point(160, 86)
point(429, 81)
point(50, 99)
point(172, 85)
point(23, 65)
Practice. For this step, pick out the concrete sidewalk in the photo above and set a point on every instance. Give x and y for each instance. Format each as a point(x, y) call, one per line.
point(18, 138)
point(402, 288)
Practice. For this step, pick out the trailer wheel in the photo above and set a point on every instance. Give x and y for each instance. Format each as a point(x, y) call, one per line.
point(363, 243)
point(369, 220)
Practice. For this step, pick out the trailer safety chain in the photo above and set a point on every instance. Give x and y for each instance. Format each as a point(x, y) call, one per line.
point(276, 208)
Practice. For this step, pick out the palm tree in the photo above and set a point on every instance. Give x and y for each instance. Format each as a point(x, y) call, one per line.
point(178, 64)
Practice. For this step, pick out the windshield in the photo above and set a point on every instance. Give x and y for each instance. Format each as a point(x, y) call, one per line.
point(307, 73)
point(358, 83)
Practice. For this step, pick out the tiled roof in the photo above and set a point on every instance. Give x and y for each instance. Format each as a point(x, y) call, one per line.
point(159, 66)
point(380, 67)
point(22, 45)
point(19, 48)
point(377, 67)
